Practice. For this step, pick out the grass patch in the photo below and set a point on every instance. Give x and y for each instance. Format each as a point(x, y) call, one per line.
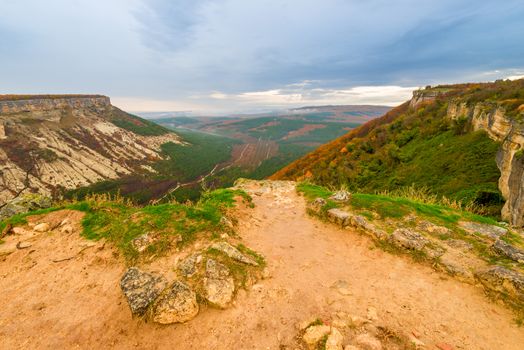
point(120, 222)
point(312, 191)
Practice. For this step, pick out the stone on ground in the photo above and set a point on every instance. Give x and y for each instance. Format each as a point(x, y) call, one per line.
point(42, 227)
point(486, 230)
point(188, 266)
point(507, 250)
point(314, 334)
point(341, 196)
point(339, 216)
point(368, 342)
point(141, 289)
point(233, 253)
point(409, 239)
point(219, 286)
point(177, 305)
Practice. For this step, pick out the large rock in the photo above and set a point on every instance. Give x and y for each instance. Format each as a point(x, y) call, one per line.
point(141, 289)
point(486, 230)
point(233, 253)
point(189, 266)
point(24, 204)
point(314, 334)
point(341, 196)
point(408, 239)
point(502, 280)
point(177, 305)
point(339, 217)
point(219, 286)
point(505, 249)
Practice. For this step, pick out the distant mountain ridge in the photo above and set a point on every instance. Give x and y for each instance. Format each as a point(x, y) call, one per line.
point(50, 143)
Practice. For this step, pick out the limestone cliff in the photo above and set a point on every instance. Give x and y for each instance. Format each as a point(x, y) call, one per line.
point(63, 142)
point(492, 118)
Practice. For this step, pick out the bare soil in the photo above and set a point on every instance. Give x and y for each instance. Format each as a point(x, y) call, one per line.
point(63, 291)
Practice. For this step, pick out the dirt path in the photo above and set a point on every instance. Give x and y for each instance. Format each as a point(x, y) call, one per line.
point(77, 303)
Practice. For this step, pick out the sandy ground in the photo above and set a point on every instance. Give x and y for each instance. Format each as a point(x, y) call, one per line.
point(49, 302)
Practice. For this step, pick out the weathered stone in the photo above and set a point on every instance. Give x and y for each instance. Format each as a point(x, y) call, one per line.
point(224, 220)
point(455, 268)
point(406, 238)
point(188, 266)
point(233, 253)
point(431, 228)
point(372, 314)
point(339, 216)
point(142, 242)
point(314, 334)
point(459, 244)
point(141, 289)
point(341, 196)
point(177, 305)
point(316, 205)
point(24, 204)
point(23, 245)
point(42, 227)
point(502, 280)
point(334, 340)
point(219, 286)
point(505, 249)
point(6, 249)
point(361, 223)
point(486, 230)
point(368, 342)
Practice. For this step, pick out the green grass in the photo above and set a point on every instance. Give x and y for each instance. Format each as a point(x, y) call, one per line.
point(187, 162)
point(136, 124)
point(118, 221)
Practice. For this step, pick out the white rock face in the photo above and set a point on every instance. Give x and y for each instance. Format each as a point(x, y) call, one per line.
point(73, 143)
point(510, 133)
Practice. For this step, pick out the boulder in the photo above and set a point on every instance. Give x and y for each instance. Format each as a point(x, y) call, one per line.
point(314, 334)
point(507, 250)
point(408, 239)
point(42, 227)
point(339, 217)
point(219, 286)
point(334, 340)
point(188, 266)
point(486, 230)
point(24, 204)
point(141, 289)
point(502, 280)
point(233, 253)
point(177, 304)
point(341, 196)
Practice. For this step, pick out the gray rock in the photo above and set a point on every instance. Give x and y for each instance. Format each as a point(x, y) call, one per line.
point(505, 249)
point(431, 228)
point(360, 222)
point(188, 267)
point(502, 280)
point(219, 286)
point(233, 253)
point(316, 205)
point(459, 244)
point(406, 238)
point(177, 305)
point(141, 289)
point(24, 204)
point(339, 217)
point(341, 196)
point(486, 230)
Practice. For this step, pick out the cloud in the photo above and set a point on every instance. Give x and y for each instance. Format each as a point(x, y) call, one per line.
point(228, 53)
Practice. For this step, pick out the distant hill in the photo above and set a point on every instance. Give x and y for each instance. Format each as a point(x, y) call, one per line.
point(267, 142)
point(461, 141)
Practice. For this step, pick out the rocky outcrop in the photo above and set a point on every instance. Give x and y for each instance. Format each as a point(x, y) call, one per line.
point(421, 97)
point(23, 204)
point(49, 144)
point(141, 289)
point(510, 133)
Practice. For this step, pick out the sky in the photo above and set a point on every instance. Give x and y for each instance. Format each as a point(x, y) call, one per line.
point(230, 56)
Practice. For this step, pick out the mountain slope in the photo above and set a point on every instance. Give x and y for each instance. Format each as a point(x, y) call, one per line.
point(54, 142)
point(451, 139)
